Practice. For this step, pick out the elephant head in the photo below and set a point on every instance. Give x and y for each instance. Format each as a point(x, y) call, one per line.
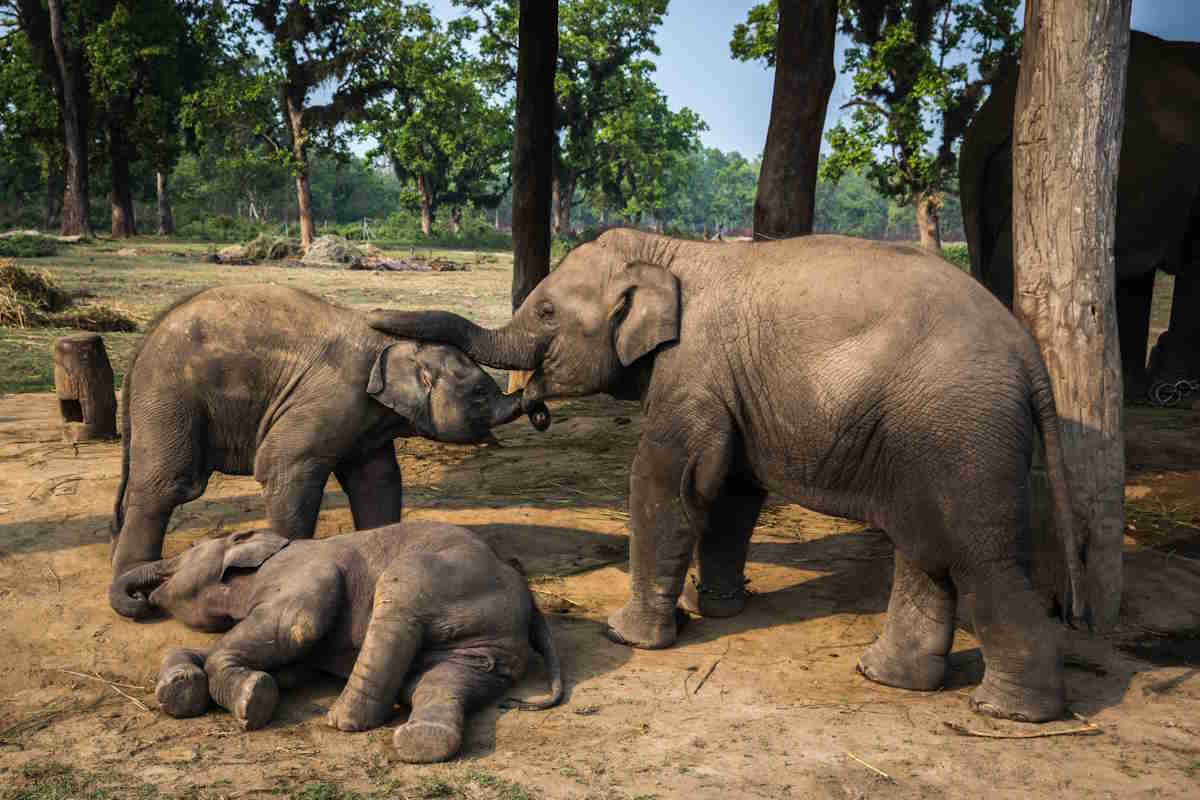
point(608, 304)
point(192, 586)
point(444, 394)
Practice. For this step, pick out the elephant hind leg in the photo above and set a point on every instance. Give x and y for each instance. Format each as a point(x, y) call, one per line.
point(716, 589)
point(918, 632)
point(1022, 648)
point(440, 698)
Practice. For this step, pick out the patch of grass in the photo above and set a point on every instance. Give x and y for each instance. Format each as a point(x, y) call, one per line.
point(326, 791)
point(51, 780)
point(26, 246)
point(957, 255)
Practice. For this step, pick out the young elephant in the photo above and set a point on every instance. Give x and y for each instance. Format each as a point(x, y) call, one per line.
point(422, 611)
point(276, 382)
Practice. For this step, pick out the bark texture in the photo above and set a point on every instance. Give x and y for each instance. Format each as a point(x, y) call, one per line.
point(166, 217)
point(75, 196)
point(928, 207)
point(533, 150)
point(124, 224)
point(83, 380)
point(1067, 141)
point(299, 153)
point(804, 77)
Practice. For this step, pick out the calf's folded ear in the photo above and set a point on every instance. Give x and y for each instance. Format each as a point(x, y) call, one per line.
point(400, 383)
point(247, 551)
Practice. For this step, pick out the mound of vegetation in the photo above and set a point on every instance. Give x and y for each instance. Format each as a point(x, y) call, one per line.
point(31, 299)
point(25, 245)
point(265, 247)
point(333, 250)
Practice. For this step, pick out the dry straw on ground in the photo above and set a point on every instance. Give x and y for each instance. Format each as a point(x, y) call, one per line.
point(29, 298)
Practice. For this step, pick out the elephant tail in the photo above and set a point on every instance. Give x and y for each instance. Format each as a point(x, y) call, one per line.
point(1045, 415)
point(126, 401)
point(543, 643)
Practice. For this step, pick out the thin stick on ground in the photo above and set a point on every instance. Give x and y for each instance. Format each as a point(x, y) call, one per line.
point(876, 770)
point(556, 596)
point(1089, 729)
point(704, 677)
point(116, 687)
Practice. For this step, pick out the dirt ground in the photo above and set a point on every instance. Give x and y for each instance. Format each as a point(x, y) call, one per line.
point(764, 705)
point(767, 704)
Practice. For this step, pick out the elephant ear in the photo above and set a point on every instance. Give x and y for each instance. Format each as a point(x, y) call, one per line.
point(647, 298)
point(250, 550)
point(401, 384)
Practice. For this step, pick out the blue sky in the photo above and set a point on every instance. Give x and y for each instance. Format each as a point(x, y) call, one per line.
point(734, 98)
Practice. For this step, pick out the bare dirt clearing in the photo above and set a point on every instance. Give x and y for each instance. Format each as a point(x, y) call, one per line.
point(763, 705)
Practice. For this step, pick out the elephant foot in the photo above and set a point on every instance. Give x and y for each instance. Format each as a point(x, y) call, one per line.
point(629, 627)
point(705, 601)
point(892, 666)
point(255, 700)
point(351, 716)
point(1005, 699)
point(182, 691)
point(422, 742)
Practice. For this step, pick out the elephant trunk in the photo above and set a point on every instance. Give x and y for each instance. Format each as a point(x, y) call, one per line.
point(502, 348)
point(513, 405)
point(129, 593)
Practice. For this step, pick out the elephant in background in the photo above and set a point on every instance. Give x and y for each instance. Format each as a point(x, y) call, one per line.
point(862, 379)
point(276, 382)
point(1158, 204)
point(421, 611)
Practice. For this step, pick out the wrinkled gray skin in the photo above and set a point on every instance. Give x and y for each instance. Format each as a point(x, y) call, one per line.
point(422, 611)
point(1158, 204)
point(277, 383)
point(862, 379)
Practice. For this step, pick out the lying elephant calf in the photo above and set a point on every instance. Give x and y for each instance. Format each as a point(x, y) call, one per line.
point(425, 612)
point(275, 382)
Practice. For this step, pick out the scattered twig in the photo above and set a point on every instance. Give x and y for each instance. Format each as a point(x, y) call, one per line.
point(1089, 729)
point(96, 677)
point(53, 574)
point(704, 677)
point(876, 770)
point(556, 595)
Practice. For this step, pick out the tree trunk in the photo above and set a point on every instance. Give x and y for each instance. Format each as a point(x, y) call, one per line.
point(928, 206)
point(804, 78)
point(166, 219)
point(300, 154)
point(54, 194)
point(121, 193)
point(497, 224)
point(455, 220)
point(533, 150)
point(75, 220)
point(1067, 140)
point(83, 381)
point(426, 205)
point(562, 190)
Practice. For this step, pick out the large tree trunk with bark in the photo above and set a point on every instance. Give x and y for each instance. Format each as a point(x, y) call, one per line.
point(563, 192)
point(300, 154)
point(1066, 144)
point(804, 76)
point(166, 218)
point(533, 152)
point(75, 220)
point(121, 192)
point(423, 190)
point(929, 223)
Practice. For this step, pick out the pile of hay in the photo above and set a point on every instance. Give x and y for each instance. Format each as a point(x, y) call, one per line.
point(269, 248)
point(333, 251)
point(30, 299)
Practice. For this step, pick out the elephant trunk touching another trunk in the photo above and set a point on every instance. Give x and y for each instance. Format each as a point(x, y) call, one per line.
point(502, 348)
point(129, 594)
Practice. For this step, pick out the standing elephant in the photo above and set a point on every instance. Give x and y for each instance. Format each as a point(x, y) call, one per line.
point(863, 379)
point(422, 611)
point(1158, 203)
point(277, 383)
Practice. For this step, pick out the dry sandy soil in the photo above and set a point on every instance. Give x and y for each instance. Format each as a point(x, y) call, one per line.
point(767, 704)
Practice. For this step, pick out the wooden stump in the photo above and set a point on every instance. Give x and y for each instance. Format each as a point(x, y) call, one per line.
point(83, 380)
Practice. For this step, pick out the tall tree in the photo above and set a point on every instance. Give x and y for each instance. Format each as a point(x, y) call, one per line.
point(796, 37)
point(31, 143)
point(1067, 132)
point(438, 129)
point(915, 92)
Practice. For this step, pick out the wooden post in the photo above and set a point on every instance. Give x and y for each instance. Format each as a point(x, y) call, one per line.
point(83, 379)
point(533, 152)
point(1067, 130)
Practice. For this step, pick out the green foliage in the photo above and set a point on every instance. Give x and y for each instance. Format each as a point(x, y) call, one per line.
point(30, 149)
point(23, 246)
point(913, 89)
point(957, 255)
point(755, 38)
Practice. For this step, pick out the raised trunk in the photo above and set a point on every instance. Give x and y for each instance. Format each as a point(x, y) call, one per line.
point(75, 220)
point(502, 348)
point(1067, 140)
point(928, 206)
point(533, 150)
point(121, 194)
point(804, 77)
point(166, 219)
point(299, 152)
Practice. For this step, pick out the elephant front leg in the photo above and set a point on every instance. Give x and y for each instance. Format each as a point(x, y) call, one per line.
point(671, 497)
point(182, 687)
point(918, 632)
point(717, 588)
point(293, 494)
point(372, 484)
